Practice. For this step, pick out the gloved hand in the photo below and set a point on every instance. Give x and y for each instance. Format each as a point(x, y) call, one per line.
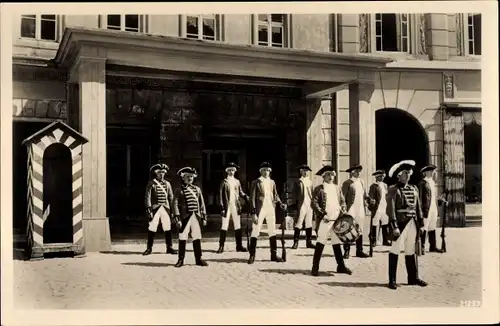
point(204, 220)
point(255, 219)
point(149, 214)
point(396, 233)
point(223, 214)
point(178, 221)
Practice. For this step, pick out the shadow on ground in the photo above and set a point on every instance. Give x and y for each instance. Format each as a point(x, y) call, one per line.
point(148, 264)
point(234, 260)
point(294, 272)
point(354, 284)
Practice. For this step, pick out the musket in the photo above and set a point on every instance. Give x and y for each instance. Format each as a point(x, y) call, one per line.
point(443, 226)
point(283, 227)
point(371, 239)
point(247, 231)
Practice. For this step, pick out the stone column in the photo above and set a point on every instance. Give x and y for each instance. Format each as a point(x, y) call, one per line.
point(90, 75)
point(362, 143)
point(438, 36)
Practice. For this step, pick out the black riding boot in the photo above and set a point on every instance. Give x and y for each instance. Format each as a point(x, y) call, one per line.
point(149, 245)
point(422, 241)
point(239, 246)
point(274, 250)
point(359, 248)
point(393, 268)
point(385, 236)
point(182, 253)
point(341, 268)
point(432, 242)
point(317, 257)
point(373, 236)
point(296, 235)
point(309, 244)
point(252, 250)
point(168, 242)
point(411, 269)
point(222, 240)
point(347, 249)
point(197, 253)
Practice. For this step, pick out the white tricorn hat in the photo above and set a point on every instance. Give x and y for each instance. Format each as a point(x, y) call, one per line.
point(397, 168)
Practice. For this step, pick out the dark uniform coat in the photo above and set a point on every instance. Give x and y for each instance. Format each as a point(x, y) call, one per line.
point(257, 196)
point(425, 197)
point(180, 206)
point(396, 201)
point(225, 193)
point(375, 193)
point(156, 197)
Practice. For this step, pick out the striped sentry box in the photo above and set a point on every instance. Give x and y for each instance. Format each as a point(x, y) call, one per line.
point(56, 133)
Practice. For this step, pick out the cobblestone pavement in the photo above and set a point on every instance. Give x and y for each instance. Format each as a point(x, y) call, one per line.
point(123, 279)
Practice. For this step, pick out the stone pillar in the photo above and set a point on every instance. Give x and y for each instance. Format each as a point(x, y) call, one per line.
point(362, 130)
point(349, 33)
point(90, 75)
point(438, 36)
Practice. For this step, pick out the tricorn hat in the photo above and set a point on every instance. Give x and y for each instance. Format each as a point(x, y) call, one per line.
point(378, 172)
point(232, 165)
point(187, 170)
point(429, 167)
point(159, 166)
point(325, 169)
point(401, 166)
point(304, 167)
point(265, 165)
point(354, 167)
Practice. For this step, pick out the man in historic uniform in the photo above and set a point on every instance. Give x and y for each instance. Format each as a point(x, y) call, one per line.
point(263, 199)
point(378, 205)
point(190, 213)
point(405, 217)
point(328, 202)
point(230, 192)
point(430, 202)
point(158, 202)
point(302, 196)
point(355, 196)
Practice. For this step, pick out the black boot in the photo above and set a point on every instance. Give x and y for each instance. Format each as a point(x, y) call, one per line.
point(385, 236)
point(393, 268)
point(274, 250)
point(182, 253)
point(222, 240)
point(197, 253)
point(239, 246)
point(149, 245)
point(317, 257)
point(373, 236)
point(252, 250)
point(359, 248)
point(296, 235)
point(411, 269)
point(341, 268)
point(432, 242)
point(309, 244)
point(168, 241)
point(422, 241)
point(347, 249)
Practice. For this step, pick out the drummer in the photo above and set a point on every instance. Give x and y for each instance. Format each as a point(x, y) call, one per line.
point(327, 203)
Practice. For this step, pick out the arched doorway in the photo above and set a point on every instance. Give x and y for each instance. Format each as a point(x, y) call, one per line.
point(57, 194)
point(400, 136)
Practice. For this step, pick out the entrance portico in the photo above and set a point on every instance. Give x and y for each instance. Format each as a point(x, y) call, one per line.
point(88, 54)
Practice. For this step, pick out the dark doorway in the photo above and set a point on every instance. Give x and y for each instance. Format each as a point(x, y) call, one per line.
point(57, 194)
point(473, 162)
point(21, 131)
point(399, 136)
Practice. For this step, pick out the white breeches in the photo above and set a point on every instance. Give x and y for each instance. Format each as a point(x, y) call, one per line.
point(430, 223)
point(406, 241)
point(162, 216)
point(359, 216)
point(325, 231)
point(267, 214)
point(305, 215)
point(232, 213)
point(380, 216)
point(193, 226)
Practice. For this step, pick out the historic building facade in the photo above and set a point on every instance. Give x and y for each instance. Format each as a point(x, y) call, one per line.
point(204, 90)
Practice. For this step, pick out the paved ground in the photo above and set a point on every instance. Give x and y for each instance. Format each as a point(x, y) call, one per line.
point(123, 279)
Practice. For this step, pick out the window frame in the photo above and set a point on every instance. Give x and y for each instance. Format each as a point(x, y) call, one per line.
point(464, 20)
point(219, 27)
point(285, 28)
point(143, 23)
point(38, 29)
point(335, 46)
point(410, 36)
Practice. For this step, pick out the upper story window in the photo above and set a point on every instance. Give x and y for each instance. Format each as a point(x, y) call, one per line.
point(128, 23)
point(473, 33)
point(392, 32)
point(271, 30)
point(203, 27)
point(39, 27)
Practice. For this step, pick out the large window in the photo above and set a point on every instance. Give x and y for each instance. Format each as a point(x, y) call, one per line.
point(204, 27)
point(392, 32)
point(129, 23)
point(473, 33)
point(271, 30)
point(39, 27)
